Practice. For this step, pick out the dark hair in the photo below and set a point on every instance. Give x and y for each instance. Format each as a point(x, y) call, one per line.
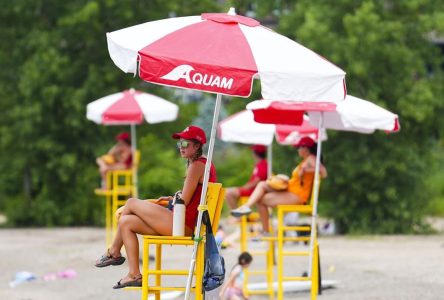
point(314, 150)
point(245, 258)
point(127, 141)
point(261, 154)
point(198, 154)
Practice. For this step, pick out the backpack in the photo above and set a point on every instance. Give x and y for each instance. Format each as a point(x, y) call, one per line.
point(214, 270)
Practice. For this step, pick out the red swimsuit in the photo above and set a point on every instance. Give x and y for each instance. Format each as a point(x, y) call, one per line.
point(191, 209)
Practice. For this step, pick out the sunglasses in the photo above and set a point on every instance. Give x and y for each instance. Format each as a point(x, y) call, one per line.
point(183, 144)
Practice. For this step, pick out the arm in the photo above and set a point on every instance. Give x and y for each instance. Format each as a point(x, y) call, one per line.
point(310, 166)
point(195, 173)
point(251, 184)
point(114, 150)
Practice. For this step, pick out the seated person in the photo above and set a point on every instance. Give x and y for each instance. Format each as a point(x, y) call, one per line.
point(298, 190)
point(259, 173)
point(119, 157)
point(150, 218)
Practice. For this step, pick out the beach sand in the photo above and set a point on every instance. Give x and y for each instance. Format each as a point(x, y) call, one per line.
point(364, 267)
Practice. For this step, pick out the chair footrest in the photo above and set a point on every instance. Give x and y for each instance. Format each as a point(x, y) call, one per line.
point(168, 272)
point(260, 292)
point(295, 278)
point(295, 253)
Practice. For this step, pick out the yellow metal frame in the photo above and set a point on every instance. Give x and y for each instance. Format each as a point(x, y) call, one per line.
point(122, 186)
point(246, 223)
point(269, 253)
point(281, 252)
point(215, 198)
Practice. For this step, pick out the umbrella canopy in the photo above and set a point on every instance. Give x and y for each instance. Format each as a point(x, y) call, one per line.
point(223, 53)
point(242, 128)
point(131, 107)
point(352, 114)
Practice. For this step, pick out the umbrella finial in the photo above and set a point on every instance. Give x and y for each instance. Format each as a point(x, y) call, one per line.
point(231, 11)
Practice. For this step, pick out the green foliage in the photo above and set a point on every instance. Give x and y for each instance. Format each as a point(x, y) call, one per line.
point(55, 61)
point(377, 183)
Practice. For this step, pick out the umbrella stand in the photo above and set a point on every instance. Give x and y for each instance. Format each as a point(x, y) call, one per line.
point(203, 196)
point(316, 192)
point(133, 150)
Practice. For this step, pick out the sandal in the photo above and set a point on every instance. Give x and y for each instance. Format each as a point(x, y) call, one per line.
point(108, 260)
point(136, 281)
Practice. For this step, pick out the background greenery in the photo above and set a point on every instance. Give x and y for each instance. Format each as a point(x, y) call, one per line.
point(54, 60)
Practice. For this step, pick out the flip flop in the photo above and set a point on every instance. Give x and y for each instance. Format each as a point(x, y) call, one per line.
point(108, 260)
point(137, 282)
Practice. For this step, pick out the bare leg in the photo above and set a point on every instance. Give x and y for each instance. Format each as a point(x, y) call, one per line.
point(261, 189)
point(264, 216)
point(131, 225)
point(117, 244)
point(150, 214)
point(232, 195)
point(271, 200)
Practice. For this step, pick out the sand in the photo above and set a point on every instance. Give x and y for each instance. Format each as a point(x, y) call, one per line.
point(364, 267)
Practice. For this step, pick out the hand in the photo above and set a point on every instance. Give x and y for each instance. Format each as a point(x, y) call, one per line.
point(164, 198)
point(119, 212)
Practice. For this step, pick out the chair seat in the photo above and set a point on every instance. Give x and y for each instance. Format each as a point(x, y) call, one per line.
point(119, 191)
point(307, 209)
point(168, 237)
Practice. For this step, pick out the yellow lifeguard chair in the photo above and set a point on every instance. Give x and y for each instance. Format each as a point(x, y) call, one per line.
point(248, 223)
point(270, 253)
point(214, 202)
point(121, 185)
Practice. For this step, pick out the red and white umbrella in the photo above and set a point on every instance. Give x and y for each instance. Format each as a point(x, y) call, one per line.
point(242, 128)
point(131, 107)
point(352, 114)
point(223, 53)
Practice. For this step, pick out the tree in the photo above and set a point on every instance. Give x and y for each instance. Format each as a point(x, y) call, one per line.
point(376, 183)
point(54, 62)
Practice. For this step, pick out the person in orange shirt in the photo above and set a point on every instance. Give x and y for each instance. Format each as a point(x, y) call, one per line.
point(119, 157)
point(259, 173)
point(297, 192)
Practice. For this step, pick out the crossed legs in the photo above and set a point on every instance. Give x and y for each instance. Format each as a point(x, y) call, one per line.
point(139, 217)
point(264, 197)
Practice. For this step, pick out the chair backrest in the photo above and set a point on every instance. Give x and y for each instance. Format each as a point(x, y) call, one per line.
point(311, 199)
point(215, 200)
point(136, 159)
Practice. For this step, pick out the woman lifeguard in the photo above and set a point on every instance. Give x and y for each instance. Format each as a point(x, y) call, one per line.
point(298, 190)
point(150, 218)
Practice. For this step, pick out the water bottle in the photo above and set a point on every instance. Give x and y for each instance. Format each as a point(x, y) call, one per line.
point(178, 216)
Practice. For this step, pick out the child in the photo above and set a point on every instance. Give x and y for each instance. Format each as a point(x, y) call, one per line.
point(232, 289)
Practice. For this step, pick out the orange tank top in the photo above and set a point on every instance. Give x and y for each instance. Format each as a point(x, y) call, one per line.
point(301, 186)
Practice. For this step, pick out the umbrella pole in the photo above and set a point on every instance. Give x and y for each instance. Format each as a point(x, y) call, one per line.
point(316, 193)
point(270, 159)
point(203, 196)
point(133, 150)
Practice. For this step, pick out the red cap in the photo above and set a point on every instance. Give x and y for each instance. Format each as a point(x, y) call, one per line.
point(259, 148)
point(305, 142)
point(192, 133)
point(124, 136)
